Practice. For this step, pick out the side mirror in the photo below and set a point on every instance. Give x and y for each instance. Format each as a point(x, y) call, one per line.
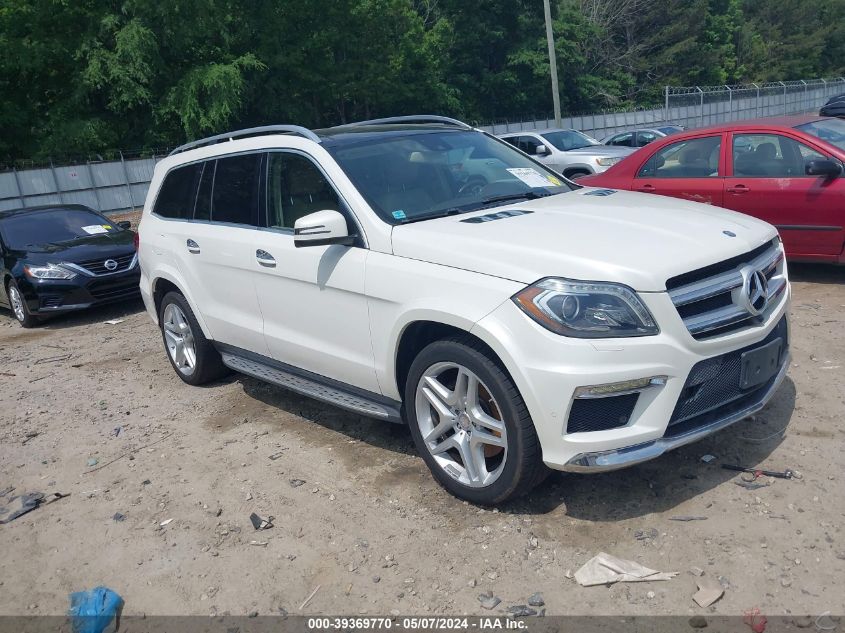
point(541, 150)
point(321, 229)
point(826, 168)
point(124, 224)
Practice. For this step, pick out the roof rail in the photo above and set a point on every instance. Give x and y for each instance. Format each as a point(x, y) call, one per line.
point(253, 131)
point(412, 118)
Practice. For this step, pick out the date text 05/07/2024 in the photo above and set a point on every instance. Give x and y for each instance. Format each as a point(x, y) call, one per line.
point(415, 623)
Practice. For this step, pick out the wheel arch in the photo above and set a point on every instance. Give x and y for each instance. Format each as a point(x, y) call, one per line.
point(577, 169)
point(417, 334)
point(164, 283)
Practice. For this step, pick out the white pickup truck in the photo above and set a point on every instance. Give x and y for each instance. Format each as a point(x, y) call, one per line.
point(515, 325)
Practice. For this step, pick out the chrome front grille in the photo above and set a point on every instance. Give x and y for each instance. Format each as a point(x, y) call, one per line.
point(731, 295)
point(98, 268)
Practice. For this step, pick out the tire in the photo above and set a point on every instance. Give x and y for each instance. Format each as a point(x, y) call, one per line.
point(575, 175)
point(18, 306)
point(493, 432)
point(193, 357)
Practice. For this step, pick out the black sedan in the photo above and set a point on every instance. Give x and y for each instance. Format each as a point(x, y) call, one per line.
point(64, 257)
point(835, 106)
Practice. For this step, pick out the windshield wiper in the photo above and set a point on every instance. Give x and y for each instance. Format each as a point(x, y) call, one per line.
point(437, 214)
point(525, 195)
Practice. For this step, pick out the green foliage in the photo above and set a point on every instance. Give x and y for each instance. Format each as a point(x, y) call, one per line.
point(85, 76)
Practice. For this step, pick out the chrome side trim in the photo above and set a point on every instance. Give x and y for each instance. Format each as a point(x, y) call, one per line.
point(623, 457)
point(311, 387)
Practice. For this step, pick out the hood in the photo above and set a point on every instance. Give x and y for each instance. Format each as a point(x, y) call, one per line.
point(104, 245)
point(601, 150)
point(637, 239)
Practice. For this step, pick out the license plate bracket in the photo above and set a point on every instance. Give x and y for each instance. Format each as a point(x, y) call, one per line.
point(759, 365)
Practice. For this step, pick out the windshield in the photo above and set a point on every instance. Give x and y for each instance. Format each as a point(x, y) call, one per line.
point(566, 140)
point(830, 130)
point(429, 174)
point(52, 226)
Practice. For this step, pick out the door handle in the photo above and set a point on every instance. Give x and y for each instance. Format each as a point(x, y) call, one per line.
point(264, 258)
point(738, 189)
point(646, 188)
point(193, 247)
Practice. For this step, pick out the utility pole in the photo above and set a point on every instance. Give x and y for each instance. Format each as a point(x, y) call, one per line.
point(550, 38)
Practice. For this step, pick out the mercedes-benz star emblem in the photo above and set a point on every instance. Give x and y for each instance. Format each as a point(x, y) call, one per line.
point(755, 291)
point(110, 264)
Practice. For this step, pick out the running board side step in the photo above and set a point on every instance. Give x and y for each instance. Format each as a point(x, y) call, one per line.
point(314, 386)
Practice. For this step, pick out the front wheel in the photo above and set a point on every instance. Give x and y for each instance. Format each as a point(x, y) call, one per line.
point(19, 307)
point(575, 175)
point(470, 423)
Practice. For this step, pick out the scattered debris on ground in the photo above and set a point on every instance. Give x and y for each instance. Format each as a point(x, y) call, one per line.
point(604, 569)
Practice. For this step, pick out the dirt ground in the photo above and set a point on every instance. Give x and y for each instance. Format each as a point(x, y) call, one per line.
point(369, 528)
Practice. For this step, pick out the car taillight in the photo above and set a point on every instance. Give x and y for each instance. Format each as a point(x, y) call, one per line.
point(136, 240)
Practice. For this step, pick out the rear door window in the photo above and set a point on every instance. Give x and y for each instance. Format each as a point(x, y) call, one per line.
point(691, 158)
point(235, 196)
point(175, 199)
point(623, 140)
point(644, 138)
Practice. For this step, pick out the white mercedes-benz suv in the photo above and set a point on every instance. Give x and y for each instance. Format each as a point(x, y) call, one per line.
point(516, 324)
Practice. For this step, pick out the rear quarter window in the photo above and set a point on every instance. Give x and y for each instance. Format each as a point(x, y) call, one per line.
point(176, 197)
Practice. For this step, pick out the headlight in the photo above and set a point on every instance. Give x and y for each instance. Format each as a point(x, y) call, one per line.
point(585, 309)
point(607, 162)
point(50, 271)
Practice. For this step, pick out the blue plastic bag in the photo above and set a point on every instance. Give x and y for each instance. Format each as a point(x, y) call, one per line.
point(95, 611)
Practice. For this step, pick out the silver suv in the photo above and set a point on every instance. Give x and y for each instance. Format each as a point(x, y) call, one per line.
point(568, 152)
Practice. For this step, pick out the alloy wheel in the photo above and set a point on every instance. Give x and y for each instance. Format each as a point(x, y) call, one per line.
point(179, 339)
point(461, 424)
point(17, 303)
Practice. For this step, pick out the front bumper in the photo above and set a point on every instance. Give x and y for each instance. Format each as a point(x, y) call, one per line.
point(551, 370)
point(51, 296)
point(620, 458)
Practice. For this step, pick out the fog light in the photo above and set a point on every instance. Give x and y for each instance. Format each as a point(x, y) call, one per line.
point(619, 388)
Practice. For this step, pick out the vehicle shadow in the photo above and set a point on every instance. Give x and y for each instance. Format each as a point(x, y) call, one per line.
point(817, 273)
point(378, 433)
point(670, 480)
point(94, 314)
point(655, 486)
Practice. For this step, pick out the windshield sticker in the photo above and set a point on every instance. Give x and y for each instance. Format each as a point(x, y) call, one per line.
point(399, 214)
point(95, 229)
point(532, 177)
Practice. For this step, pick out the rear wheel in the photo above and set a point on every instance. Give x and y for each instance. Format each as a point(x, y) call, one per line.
point(19, 307)
point(193, 356)
point(470, 424)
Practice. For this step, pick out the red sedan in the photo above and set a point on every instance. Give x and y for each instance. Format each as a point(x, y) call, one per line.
point(787, 171)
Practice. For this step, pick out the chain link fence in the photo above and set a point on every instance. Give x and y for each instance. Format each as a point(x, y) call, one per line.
point(121, 184)
point(693, 106)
